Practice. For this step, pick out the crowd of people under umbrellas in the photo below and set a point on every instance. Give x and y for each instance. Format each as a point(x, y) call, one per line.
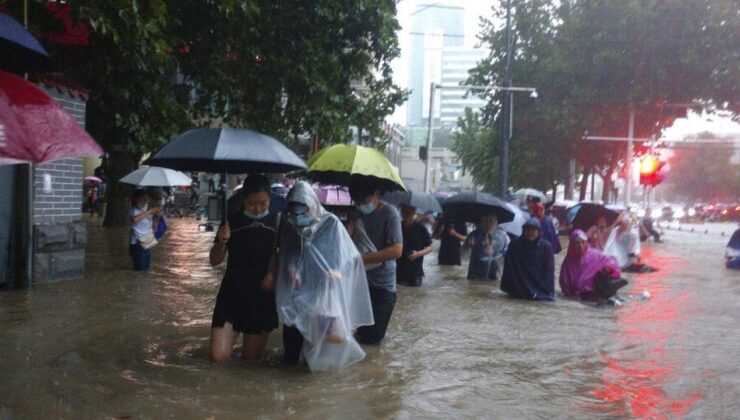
point(331, 276)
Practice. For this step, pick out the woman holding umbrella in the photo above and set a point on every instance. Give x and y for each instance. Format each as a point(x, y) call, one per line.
point(141, 217)
point(245, 303)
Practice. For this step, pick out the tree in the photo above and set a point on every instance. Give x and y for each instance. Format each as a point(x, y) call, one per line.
point(592, 61)
point(705, 173)
point(159, 67)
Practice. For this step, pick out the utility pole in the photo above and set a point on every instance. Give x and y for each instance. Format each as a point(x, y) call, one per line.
point(427, 163)
point(506, 105)
point(628, 159)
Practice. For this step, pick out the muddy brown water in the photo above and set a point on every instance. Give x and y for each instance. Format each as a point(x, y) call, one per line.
point(123, 344)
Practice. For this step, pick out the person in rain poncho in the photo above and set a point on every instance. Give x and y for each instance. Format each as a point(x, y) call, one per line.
point(549, 233)
point(322, 291)
point(488, 243)
point(624, 245)
point(588, 273)
point(529, 266)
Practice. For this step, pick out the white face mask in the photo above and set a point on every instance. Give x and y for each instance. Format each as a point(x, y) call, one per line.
point(143, 206)
point(256, 216)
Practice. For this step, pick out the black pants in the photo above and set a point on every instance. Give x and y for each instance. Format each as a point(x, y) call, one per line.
point(292, 343)
point(651, 232)
point(604, 287)
point(383, 303)
point(410, 280)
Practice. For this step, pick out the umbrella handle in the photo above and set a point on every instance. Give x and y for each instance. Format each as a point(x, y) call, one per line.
point(222, 191)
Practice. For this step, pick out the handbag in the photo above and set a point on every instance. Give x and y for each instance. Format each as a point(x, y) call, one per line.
point(147, 241)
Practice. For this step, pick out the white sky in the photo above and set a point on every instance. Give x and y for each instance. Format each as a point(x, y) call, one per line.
point(474, 9)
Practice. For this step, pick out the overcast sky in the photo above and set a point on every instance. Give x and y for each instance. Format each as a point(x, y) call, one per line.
point(474, 10)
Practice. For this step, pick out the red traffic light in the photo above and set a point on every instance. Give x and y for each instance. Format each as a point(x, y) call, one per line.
point(650, 170)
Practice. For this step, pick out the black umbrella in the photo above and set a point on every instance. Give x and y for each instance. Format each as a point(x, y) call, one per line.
point(586, 215)
point(21, 51)
point(422, 201)
point(227, 151)
point(472, 206)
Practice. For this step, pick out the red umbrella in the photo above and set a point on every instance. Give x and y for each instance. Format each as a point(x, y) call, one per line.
point(35, 128)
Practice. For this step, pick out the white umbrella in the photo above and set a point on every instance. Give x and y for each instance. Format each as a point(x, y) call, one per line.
point(515, 226)
point(153, 176)
point(523, 193)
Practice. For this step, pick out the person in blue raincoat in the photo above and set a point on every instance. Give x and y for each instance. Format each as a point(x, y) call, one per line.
point(529, 266)
point(547, 228)
point(322, 290)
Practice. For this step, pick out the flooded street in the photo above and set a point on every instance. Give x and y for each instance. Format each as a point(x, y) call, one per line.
point(122, 344)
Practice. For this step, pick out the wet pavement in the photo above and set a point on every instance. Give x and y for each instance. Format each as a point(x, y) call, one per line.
point(123, 344)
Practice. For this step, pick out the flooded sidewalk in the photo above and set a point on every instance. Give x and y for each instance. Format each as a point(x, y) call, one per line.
point(124, 344)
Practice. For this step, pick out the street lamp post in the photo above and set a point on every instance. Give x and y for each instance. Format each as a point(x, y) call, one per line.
point(506, 108)
point(433, 87)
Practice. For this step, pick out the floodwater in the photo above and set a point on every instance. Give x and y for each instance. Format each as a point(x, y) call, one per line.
point(121, 344)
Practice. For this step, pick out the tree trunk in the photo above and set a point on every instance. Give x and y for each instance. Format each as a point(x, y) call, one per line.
point(118, 200)
point(606, 191)
point(584, 183)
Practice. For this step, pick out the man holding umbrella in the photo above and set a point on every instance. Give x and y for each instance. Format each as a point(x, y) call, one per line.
point(383, 226)
point(416, 244)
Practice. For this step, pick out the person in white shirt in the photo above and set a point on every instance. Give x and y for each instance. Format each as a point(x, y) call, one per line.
point(140, 217)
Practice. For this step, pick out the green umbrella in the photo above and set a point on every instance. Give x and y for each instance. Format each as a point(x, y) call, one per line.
point(340, 163)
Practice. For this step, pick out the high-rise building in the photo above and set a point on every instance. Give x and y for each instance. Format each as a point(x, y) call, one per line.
point(439, 55)
point(433, 26)
point(456, 62)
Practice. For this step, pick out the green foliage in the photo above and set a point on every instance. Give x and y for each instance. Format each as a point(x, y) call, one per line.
point(594, 60)
point(704, 173)
point(158, 67)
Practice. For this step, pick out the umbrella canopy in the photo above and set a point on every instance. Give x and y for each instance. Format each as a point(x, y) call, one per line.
point(422, 201)
point(21, 51)
point(584, 215)
point(226, 150)
point(472, 206)
point(514, 227)
point(92, 178)
point(340, 163)
point(36, 128)
point(152, 176)
point(523, 193)
point(334, 195)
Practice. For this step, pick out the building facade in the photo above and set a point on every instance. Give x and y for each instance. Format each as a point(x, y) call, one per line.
point(445, 172)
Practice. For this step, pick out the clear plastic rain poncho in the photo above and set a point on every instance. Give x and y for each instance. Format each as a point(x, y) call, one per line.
point(321, 288)
point(624, 246)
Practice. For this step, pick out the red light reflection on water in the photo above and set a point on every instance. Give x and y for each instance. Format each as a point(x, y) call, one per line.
point(634, 379)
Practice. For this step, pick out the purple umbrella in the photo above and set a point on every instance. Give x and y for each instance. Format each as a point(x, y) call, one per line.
point(333, 195)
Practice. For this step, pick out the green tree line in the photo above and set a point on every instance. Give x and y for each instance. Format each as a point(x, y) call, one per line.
point(592, 61)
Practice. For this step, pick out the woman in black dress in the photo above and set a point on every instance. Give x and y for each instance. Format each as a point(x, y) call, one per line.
point(451, 234)
point(246, 303)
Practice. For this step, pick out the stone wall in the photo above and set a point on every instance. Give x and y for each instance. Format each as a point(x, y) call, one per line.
point(59, 234)
point(60, 250)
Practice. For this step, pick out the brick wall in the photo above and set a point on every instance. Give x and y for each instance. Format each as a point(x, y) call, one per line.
point(63, 202)
point(59, 234)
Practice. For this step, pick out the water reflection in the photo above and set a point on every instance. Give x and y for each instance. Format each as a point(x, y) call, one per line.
point(635, 379)
point(125, 344)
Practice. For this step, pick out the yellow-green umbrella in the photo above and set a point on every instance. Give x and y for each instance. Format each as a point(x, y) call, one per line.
point(340, 163)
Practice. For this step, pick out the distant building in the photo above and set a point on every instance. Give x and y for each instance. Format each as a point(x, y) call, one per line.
point(455, 65)
point(433, 26)
point(446, 172)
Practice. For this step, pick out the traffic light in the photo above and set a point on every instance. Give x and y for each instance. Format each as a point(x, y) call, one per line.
point(651, 172)
point(423, 152)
